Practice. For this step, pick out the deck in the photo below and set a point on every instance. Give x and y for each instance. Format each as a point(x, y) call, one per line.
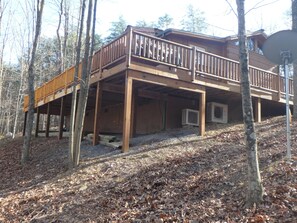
point(137, 64)
point(138, 51)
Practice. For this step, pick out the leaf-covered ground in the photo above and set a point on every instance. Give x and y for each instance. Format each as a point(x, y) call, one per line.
point(182, 178)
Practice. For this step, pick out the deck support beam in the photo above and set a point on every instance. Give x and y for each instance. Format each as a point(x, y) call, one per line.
point(62, 114)
point(258, 110)
point(48, 118)
point(202, 109)
point(97, 114)
point(37, 122)
point(134, 113)
point(127, 112)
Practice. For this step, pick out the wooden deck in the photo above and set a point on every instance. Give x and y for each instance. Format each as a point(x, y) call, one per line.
point(139, 61)
point(138, 51)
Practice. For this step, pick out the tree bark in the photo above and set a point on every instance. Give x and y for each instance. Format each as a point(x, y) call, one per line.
point(294, 28)
point(29, 125)
point(254, 184)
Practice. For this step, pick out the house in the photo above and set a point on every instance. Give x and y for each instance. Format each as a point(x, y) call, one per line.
point(148, 80)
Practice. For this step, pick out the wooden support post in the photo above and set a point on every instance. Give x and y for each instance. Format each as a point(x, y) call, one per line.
point(62, 114)
point(258, 110)
point(37, 122)
point(202, 102)
point(48, 119)
point(129, 45)
point(134, 113)
point(97, 114)
point(25, 123)
point(100, 62)
point(127, 112)
point(193, 61)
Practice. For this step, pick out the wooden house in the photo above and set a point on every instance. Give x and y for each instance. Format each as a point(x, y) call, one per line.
point(148, 80)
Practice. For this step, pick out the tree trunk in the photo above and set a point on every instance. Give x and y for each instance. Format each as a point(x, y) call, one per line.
point(294, 28)
point(29, 125)
point(254, 184)
point(84, 88)
point(72, 141)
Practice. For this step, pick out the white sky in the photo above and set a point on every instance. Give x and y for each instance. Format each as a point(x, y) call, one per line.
point(217, 12)
point(222, 20)
point(272, 17)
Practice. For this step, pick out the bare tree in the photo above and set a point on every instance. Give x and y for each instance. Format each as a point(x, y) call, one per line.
point(60, 51)
point(254, 184)
point(3, 8)
point(66, 31)
point(63, 12)
point(29, 125)
point(19, 98)
point(294, 28)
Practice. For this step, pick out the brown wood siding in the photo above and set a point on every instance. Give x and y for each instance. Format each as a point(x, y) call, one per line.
point(255, 59)
point(209, 46)
point(150, 115)
point(174, 111)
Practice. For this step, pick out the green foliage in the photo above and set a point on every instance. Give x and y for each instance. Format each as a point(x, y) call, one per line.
point(142, 23)
point(116, 29)
point(98, 42)
point(165, 21)
point(194, 20)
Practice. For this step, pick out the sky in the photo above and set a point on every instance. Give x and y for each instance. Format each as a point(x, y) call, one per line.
point(220, 18)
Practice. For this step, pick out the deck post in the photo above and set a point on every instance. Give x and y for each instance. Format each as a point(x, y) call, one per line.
point(193, 61)
point(62, 114)
point(202, 102)
point(134, 113)
point(97, 114)
point(37, 122)
point(25, 123)
point(258, 110)
point(278, 86)
point(129, 45)
point(100, 62)
point(48, 119)
point(127, 112)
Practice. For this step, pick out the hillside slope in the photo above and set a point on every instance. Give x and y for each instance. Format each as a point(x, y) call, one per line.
point(174, 176)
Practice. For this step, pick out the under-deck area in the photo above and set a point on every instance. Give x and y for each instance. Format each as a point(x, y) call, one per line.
point(140, 84)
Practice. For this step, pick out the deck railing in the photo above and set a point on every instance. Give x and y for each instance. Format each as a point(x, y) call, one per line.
point(161, 51)
point(110, 53)
point(156, 51)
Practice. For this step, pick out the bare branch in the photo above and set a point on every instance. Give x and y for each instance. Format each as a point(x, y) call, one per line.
point(256, 6)
point(231, 8)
